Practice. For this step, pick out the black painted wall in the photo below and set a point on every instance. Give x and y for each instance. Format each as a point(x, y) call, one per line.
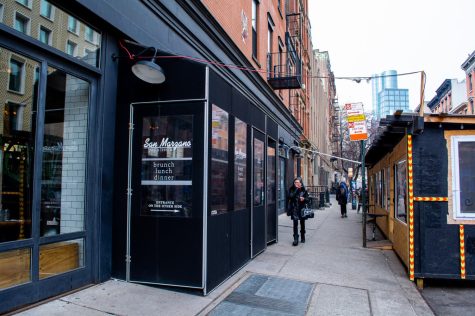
point(437, 244)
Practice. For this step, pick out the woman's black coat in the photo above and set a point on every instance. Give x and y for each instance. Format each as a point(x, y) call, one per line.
point(294, 205)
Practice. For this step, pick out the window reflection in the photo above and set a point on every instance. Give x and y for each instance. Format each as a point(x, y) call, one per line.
point(64, 154)
point(18, 101)
point(219, 161)
point(258, 172)
point(52, 26)
point(271, 180)
point(401, 186)
point(240, 164)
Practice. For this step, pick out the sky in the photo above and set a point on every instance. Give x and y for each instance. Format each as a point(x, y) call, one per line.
point(365, 37)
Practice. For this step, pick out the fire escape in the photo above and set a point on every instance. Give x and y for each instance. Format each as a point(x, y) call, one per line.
point(285, 66)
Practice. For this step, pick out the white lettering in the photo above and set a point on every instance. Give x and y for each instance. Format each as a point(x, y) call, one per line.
point(166, 143)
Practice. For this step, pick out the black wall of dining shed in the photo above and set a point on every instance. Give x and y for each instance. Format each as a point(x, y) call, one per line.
point(229, 234)
point(437, 251)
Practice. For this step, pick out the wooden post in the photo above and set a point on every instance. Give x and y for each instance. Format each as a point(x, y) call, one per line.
point(423, 84)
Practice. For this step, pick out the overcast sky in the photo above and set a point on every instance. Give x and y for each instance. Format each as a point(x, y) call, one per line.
point(364, 37)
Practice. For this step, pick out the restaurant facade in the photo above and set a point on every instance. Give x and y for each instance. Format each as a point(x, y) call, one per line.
point(104, 174)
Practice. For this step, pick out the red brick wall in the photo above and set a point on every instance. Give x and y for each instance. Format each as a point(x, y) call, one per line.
point(229, 15)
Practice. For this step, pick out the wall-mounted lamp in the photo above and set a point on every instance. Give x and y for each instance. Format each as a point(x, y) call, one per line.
point(146, 70)
point(149, 71)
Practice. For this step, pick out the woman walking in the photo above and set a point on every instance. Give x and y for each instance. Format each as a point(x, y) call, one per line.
point(342, 198)
point(296, 200)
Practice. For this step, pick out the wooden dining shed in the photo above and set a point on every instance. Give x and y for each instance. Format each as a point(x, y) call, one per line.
point(421, 180)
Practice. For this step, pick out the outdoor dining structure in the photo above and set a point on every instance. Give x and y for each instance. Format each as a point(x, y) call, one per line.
point(421, 179)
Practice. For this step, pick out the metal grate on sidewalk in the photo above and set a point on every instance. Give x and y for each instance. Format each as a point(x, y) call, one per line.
point(266, 295)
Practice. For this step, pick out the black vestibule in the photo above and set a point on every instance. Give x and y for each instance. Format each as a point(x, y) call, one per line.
point(223, 224)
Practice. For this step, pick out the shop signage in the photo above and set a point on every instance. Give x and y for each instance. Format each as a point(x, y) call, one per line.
point(166, 176)
point(356, 121)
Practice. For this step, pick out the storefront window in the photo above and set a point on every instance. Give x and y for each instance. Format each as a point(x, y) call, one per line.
point(463, 176)
point(240, 164)
point(63, 180)
point(219, 161)
point(80, 40)
point(167, 161)
point(61, 257)
point(16, 144)
point(258, 172)
point(400, 185)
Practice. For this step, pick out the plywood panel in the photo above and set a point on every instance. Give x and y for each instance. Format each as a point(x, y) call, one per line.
point(396, 231)
point(58, 258)
point(14, 267)
point(400, 240)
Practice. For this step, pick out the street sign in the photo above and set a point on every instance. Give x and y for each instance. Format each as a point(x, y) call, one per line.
point(356, 121)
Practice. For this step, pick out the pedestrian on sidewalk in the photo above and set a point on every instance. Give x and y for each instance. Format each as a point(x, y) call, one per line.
point(342, 198)
point(296, 200)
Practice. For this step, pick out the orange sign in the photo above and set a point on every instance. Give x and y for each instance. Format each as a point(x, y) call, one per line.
point(356, 121)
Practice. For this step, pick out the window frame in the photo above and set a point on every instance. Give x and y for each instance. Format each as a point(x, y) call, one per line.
point(51, 17)
point(75, 48)
point(397, 214)
point(50, 37)
point(17, 14)
point(455, 168)
point(76, 31)
point(1, 12)
point(92, 40)
point(255, 28)
point(22, 75)
point(27, 5)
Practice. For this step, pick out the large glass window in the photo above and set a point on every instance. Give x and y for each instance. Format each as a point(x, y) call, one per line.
point(71, 36)
point(219, 161)
point(240, 164)
point(16, 146)
point(463, 176)
point(400, 185)
point(63, 182)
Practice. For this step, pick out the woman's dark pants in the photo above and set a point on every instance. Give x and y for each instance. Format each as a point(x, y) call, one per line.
point(296, 227)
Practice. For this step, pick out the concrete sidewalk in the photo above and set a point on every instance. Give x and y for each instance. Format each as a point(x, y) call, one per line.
point(347, 279)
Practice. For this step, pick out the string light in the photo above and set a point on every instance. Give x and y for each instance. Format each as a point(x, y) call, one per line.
point(356, 79)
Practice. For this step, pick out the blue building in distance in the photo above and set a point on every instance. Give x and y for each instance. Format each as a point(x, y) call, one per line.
point(387, 98)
